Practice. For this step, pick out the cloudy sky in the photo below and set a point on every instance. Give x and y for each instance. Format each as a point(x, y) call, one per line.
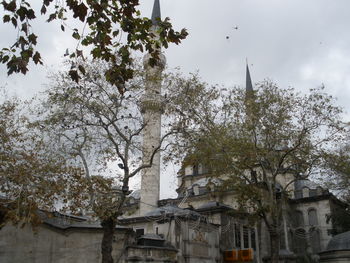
point(297, 43)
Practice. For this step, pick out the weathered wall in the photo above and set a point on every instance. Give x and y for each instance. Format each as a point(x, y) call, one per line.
point(50, 245)
point(323, 208)
point(199, 242)
point(341, 256)
point(151, 254)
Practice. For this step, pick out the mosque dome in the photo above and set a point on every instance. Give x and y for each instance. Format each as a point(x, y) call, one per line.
point(213, 205)
point(306, 188)
point(339, 242)
point(300, 184)
point(172, 210)
point(205, 181)
point(136, 194)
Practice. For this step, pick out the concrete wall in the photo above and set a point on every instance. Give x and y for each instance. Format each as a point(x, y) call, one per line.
point(49, 245)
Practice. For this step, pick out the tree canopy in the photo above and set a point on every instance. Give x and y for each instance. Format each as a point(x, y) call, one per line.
point(262, 141)
point(92, 126)
point(338, 169)
point(103, 22)
point(32, 176)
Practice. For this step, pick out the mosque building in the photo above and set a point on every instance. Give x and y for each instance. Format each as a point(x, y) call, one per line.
point(203, 222)
point(202, 225)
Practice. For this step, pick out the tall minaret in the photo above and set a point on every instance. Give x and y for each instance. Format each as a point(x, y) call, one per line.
point(249, 94)
point(248, 82)
point(152, 111)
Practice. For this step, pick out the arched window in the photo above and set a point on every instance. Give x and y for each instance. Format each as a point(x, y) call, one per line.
point(190, 191)
point(313, 192)
point(211, 187)
point(312, 214)
point(299, 219)
point(200, 168)
point(189, 170)
point(204, 169)
point(196, 189)
point(306, 192)
point(299, 242)
point(298, 194)
point(237, 235)
point(203, 190)
point(315, 240)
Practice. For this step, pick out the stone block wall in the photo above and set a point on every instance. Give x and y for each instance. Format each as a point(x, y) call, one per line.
point(49, 245)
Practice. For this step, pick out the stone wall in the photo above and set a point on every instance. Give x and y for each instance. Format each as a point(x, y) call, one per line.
point(341, 256)
point(47, 244)
point(139, 254)
point(323, 209)
point(199, 242)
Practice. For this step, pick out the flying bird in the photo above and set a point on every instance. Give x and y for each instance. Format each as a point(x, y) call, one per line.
point(236, 28)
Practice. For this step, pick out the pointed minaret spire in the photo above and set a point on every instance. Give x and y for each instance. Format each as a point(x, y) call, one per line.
point(248, 81)
point(156, 13)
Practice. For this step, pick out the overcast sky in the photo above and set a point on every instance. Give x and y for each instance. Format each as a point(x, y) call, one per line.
point(297, 43)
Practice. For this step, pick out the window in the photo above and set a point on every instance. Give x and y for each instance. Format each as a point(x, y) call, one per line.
point(299, 219)
point(202, 190)
point(312, 214)
point(283, 240)
point(200, 168)
point(313, 192)
point(238, 236)
point(132, 200)
point(305, 192)
point(298, 194)
point(252, 238)
point(319, 190)
point(195, 169)
point(139, 232)
point(315, 240)
point(189, 170)
point(253, 176)
point(196, 189)
point(300, 242)
point(211, 187)
point(245, 237)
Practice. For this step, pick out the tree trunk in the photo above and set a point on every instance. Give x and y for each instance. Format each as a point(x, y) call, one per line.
point(274, 245)
point(3, 215)
point(108, 226)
